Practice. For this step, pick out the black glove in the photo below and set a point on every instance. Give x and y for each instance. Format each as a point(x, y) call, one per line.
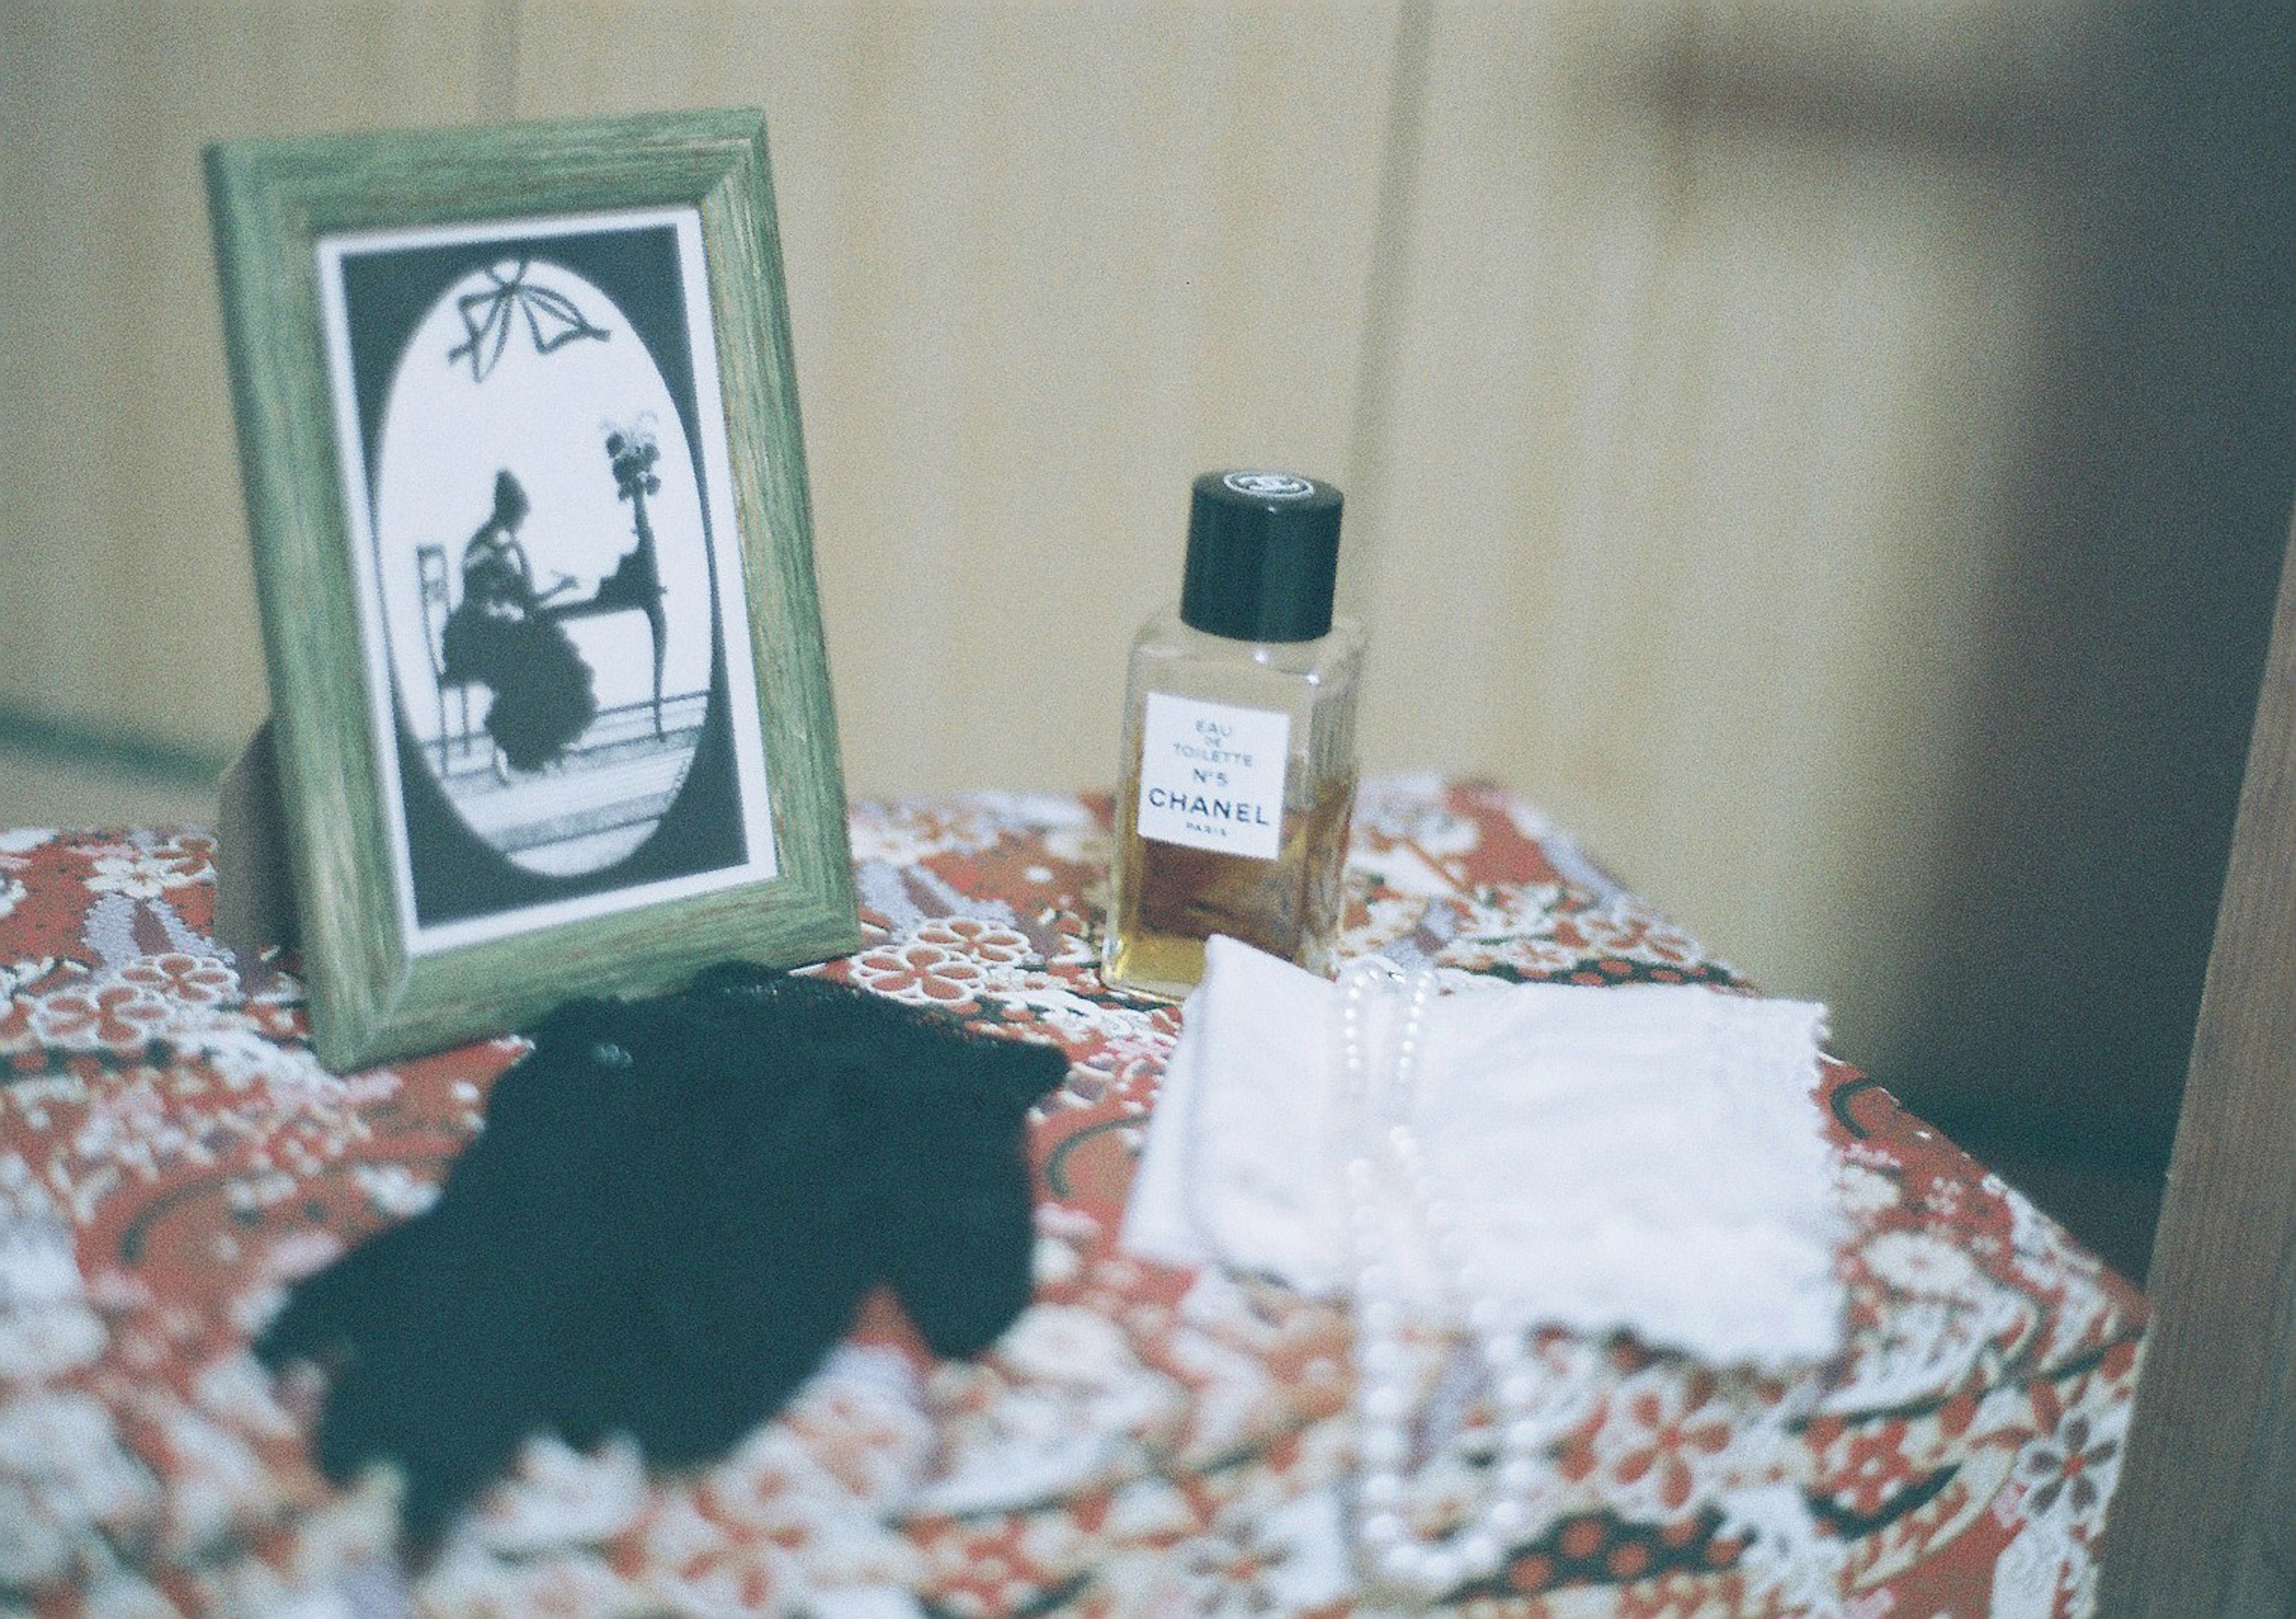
point(673, 1213)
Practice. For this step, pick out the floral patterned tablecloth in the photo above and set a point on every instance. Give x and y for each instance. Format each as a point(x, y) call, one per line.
point(1146, 1441)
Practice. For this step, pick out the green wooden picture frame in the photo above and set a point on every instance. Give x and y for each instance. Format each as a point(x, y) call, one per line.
point(421, 929)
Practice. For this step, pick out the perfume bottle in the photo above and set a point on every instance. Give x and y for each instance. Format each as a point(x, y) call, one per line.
point(1238, 772)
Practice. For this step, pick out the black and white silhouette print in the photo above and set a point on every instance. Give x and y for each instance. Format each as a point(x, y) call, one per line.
point(549, 585)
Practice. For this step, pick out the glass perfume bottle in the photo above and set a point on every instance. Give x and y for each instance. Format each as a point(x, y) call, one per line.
point(1238, 773)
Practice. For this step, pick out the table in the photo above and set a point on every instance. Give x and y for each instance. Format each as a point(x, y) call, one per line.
point(1146, 1440)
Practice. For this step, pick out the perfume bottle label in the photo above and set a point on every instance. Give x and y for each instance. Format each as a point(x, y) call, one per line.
point(1211, 775)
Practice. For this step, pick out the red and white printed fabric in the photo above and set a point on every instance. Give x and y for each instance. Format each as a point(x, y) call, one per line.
point(1149, 1439)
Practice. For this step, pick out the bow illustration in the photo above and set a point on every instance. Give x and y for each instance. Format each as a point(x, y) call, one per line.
point(552, 319)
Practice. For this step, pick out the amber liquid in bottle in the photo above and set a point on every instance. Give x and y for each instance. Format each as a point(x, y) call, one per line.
point(1287, 906)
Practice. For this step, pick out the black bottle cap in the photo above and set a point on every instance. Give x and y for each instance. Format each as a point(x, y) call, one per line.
point(1263, 555)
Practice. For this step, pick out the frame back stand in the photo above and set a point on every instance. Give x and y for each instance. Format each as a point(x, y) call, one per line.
point(255, 889)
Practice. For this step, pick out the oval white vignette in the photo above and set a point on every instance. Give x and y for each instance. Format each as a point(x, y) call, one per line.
point(545, 417)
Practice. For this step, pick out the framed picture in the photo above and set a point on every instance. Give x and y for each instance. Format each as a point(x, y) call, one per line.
point(526, 493)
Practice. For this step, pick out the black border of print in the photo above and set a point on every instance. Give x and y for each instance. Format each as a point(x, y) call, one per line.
point(387, 292)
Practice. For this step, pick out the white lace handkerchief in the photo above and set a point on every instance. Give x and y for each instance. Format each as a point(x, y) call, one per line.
point(1647, 1158)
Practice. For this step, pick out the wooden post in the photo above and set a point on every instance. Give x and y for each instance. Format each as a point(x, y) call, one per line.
point(2203, 1523)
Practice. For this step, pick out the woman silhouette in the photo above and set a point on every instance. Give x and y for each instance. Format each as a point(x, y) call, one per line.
point(500, 637)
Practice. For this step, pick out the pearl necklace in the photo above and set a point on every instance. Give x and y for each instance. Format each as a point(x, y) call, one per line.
point(1384, 1155)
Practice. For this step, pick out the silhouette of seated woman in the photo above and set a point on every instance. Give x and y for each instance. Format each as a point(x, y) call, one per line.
point(501, 636)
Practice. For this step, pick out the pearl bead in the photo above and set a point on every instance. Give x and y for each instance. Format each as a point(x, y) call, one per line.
point(1518, 1389)
point(1503, 1352)
point(1517, 1475)
point(1386, 1404)
point(1439, 1571)
point(1523, 1436)
point(1381, 1490)
point(1380, 1529)
point(1479, 1553)
point(1401, 1563)
point(1384, 1447)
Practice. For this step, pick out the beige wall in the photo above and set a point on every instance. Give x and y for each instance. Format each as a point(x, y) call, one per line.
point(1685, 366)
